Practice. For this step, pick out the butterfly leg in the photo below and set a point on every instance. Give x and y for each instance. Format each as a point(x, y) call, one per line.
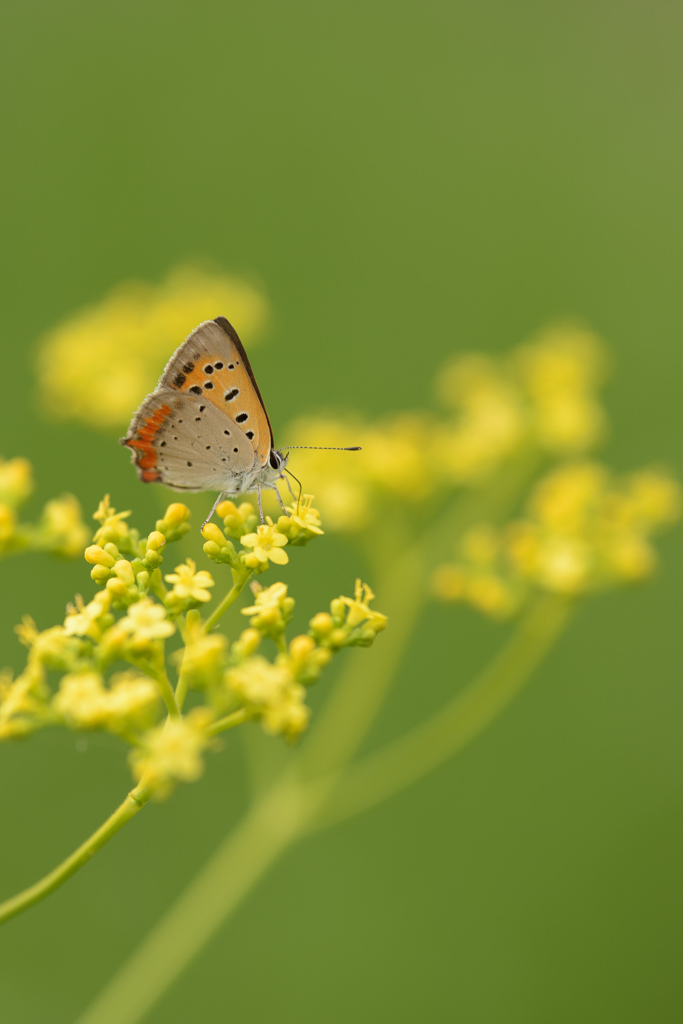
point(279, 498)
point(213, 508)
point(260, 505)
point(272, 487)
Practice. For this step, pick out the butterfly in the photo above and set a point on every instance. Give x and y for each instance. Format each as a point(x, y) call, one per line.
point(205, 426)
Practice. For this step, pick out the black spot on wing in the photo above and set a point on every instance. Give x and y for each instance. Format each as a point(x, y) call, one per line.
point(179, 380)
point(196, 389)
point(232, 393)
point(242, 417)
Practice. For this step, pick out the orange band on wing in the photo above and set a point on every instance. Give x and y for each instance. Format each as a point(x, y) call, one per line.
point(144, 444)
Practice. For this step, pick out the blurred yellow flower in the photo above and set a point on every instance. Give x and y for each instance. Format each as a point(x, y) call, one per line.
point(85, 619)
point(99, 364)
point(584, 530)
point(16, 481)
point(172, 752)
point(145, 621)
point(272, 693)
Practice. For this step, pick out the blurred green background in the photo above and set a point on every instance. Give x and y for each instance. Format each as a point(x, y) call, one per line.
point(405, 180)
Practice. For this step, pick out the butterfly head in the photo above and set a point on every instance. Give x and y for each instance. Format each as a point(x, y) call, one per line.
point(276, 465)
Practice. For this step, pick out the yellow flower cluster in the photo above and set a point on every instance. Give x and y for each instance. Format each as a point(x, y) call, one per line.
point(97, 365)
point(584, 530)
point(264, 543)
point(126, 706)
point(60, 529)
point(275, 691)
point(543, 395)
point(137, 610)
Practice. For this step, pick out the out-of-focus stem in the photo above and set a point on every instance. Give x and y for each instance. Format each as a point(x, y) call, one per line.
point(407, 759)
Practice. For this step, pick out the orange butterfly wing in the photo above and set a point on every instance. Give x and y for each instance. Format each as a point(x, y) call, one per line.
point(212, 365)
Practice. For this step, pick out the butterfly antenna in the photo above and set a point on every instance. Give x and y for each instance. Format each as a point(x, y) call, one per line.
point(319, 448)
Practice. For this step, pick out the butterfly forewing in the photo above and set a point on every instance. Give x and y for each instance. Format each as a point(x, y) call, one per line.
point(212, 365)
point(187, 443)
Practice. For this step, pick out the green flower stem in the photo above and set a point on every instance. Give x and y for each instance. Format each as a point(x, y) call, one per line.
point(403, 762)
point(230, 721)
point(133, 803)
point(167, 692)
point(187, 629)
point(229, 598)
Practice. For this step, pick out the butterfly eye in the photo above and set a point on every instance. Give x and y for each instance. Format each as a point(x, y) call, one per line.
point(275, 460)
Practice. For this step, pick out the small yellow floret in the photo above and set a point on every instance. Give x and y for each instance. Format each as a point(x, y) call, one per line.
point(267, 545)
point(190, 584)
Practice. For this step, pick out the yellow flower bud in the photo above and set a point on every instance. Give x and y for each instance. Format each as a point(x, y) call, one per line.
point(322, 624)
point(248, 643)
point(211, 532)
point(301, 646)
point(176, 513)
point(100, 574)
point(124, 571)
point(155, 541)
point(117, 588)
point(98, 556)
point(338, 637)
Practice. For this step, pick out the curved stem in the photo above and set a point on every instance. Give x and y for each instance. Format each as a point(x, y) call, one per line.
point(413, 755)
point(167, 693)
point(230, 721)
point(229, 598)
point(134, 802)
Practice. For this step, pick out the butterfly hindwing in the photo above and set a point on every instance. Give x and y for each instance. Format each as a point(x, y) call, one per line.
point(212, 365)
point(187, 443)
